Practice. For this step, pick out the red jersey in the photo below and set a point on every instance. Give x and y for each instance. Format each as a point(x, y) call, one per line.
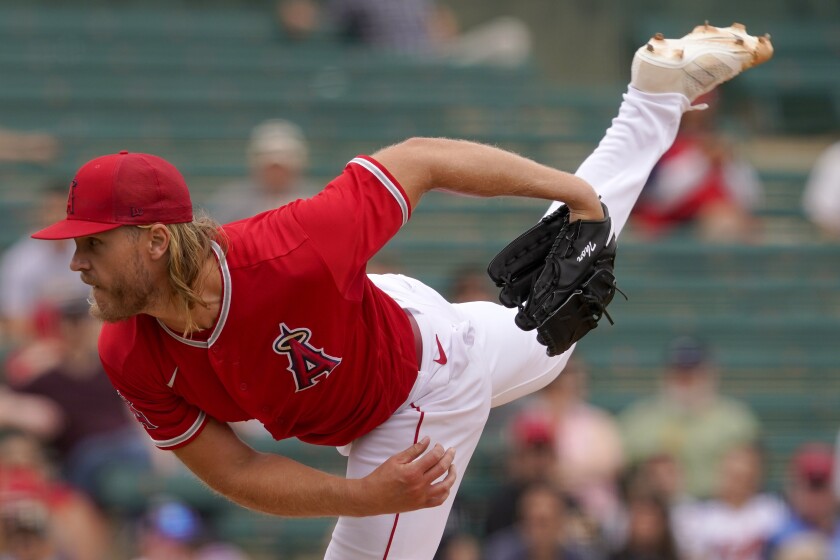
point(304, 341)
point(705, 184)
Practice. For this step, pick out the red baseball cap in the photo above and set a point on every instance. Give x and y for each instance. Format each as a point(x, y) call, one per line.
point(532, 429)
point(122, 189)
point(813, 462)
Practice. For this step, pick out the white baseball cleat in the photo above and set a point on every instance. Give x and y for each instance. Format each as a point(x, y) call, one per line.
point(695, 64)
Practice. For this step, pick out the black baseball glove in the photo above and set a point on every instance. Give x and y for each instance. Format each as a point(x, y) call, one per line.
point(560, 276)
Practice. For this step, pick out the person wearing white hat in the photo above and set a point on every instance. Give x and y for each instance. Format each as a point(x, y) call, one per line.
point(278, 157)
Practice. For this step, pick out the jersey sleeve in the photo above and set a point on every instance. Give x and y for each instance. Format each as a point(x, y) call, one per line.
point(169, 420)
point(354, 217)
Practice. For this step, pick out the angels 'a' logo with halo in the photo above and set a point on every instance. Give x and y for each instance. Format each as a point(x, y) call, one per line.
point(307, 364)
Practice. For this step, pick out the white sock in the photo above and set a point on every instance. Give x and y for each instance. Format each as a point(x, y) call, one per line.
point(618, 169)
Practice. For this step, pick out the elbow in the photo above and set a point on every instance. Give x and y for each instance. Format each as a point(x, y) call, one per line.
point(417, 163)
point(428, 150)
point(417, 151)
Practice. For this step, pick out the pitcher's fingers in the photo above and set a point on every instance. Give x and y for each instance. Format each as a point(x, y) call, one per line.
point(442, 466)
point(430, 458)
point(413, 452)
point(448, 481)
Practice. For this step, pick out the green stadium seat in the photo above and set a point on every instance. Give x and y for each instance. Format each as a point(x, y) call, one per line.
point(190, 84)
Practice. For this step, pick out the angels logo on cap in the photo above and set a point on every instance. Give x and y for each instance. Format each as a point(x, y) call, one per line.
point(122, 189)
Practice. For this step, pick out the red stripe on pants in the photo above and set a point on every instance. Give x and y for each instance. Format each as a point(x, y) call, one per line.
point(397, 517)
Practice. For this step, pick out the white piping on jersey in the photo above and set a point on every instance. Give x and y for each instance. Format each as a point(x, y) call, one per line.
point(185, 436)
point(387, 183)
point(223, 314)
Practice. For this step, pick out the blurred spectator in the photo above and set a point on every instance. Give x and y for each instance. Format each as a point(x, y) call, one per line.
point(821, 199)
point(665, 476)
point(29, 147)
point(35, 416)
point(737, 523)
point(531, 459)
point(221, 551)
point(25, 531)
point(90, 430)
point(688, 419)
point(701, 181)
point(172, 530)
point(417, 27)
point(409, 26)
point(648, 485)
point(542, 531)
point(804, 547)
point(278, 157)
point(812, 506)
point(471, 283)
point(57, 520)
point(297, 18)
point(461, 546)
point(587, 442)
point(33, 273)
point(648, 534)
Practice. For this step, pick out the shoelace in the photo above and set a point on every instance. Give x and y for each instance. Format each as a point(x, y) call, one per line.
point(507, 285)
point(598, 308)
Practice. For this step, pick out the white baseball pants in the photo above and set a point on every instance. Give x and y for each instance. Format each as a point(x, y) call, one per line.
point(486, 360)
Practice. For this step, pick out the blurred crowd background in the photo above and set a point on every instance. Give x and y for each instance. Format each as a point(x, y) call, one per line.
point(702, 426)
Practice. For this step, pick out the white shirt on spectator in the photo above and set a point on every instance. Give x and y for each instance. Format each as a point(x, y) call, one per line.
point(33, 271)
point(714, 530)
point(821, 199)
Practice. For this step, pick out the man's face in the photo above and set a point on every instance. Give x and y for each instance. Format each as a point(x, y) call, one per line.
point(112, 264)
point(276, 178)
point(740, 475)
point(813, 498)
point(541, 518)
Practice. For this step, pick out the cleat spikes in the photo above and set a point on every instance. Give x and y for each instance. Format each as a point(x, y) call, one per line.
point(698, 62)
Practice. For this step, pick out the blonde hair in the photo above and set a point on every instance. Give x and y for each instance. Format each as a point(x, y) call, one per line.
point(189, 247)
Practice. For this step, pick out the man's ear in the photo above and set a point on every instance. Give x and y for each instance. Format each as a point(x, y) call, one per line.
point(158, 241)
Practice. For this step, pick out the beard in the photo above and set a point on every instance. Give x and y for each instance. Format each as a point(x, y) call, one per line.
point(129, 293)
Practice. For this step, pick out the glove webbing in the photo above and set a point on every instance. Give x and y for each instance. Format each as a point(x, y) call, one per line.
point(507, 280)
